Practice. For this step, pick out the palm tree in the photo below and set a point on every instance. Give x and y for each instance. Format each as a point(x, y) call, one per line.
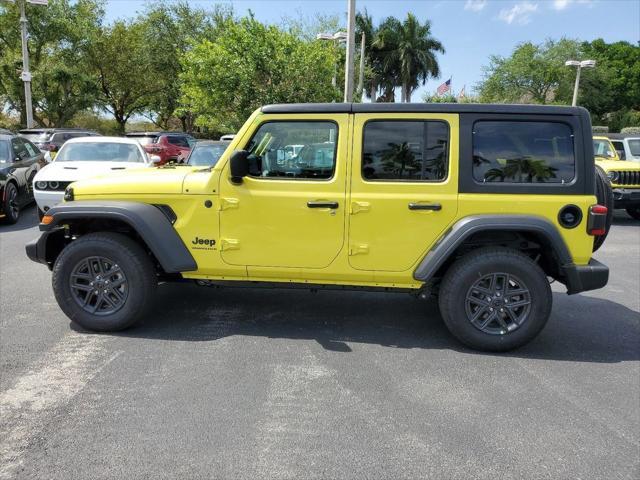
point(407, 53)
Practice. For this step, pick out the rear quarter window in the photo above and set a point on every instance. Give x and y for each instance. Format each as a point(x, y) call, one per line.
point(523, 152)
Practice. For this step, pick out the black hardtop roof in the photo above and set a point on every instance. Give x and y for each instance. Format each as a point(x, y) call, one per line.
point(422, 108)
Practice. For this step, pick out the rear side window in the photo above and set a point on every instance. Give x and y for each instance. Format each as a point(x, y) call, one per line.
point(523, 152)
point(179, 141)
point(414, 150)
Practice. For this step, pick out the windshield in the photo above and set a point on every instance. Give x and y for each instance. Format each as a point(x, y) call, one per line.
point(145, 140)
point(4, 151)
point(206, 155)
point(634, 147)
point(36, 137)
point(603, 148)
point(99, 152)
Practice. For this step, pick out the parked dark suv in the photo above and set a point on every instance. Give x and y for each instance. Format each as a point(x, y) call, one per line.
point(51, 139)
point(169, 146)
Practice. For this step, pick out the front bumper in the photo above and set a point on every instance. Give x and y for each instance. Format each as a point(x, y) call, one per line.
point(626, 197)
point(37, 249)
point(580, 278)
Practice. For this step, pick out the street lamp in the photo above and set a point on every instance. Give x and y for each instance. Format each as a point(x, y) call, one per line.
point(338, 37)
point(580, 65)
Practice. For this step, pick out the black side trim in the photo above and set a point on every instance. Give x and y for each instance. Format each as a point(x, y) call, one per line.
point(581, 278)
point(477, 223)
point(147, 220)
point(36, 249)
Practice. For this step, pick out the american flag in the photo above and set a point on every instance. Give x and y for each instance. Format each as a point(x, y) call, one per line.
point(444, 88)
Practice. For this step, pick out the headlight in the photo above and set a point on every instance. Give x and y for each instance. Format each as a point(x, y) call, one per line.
point(54, 185)
point(613, 176)
point(41, 185)
point(68, 194)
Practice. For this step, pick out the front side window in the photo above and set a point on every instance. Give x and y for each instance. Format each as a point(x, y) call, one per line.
point(523, 152)
point(99, 152)
point(297, 150)
point(19, 150)
point(405, 150)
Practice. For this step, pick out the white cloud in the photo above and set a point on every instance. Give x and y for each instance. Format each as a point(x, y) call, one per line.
point(520, 13)
point(475, 5)
point(562, 4)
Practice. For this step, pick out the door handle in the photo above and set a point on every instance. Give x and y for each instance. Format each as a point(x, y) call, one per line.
point(322, 204)
point(436, 207)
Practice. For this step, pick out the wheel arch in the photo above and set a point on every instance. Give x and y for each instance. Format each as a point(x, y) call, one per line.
point(523, 232)
point(148, 224)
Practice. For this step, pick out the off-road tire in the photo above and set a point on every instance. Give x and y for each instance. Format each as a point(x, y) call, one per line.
point(475, 265)
point(634, 212)
point(10, 194)
point(137, 268)
point(604, 194)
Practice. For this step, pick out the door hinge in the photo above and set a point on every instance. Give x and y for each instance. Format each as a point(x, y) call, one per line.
point(357, 207)
point(227, 203)
point(229, 244)
point(359, 249)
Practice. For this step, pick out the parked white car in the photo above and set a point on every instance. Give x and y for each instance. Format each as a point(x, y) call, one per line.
point(628, 147)
point(86, 157)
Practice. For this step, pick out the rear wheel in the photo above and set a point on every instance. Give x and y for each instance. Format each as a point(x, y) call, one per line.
point(634, 212)
point(495, 299)
point(104, 281)
point(604, 194)
point(11, 207)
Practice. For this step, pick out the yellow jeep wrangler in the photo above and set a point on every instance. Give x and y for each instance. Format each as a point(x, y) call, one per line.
point(479, 205)
point(623, 175)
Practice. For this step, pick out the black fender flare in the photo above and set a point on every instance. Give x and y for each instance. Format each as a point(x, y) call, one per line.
point(464, 228)
point(149, 221)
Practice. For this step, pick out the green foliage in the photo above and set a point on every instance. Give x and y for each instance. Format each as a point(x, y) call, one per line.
point(631, 130)
point(400, 54)
point(532, 74)
point(251, 64)
point(623, 119)
point(61, 85)
point(119, 59)
point(429, 98)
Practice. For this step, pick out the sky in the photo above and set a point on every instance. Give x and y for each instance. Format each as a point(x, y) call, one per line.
point(470, 30)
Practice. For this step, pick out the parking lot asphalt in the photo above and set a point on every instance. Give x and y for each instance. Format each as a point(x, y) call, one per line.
point(255, 383)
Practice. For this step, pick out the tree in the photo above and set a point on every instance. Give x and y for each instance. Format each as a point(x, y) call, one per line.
point(172, 28)
point(57, 34)
point(251, 64)
point(408, 53)
point(120, 63)
point(532, 74)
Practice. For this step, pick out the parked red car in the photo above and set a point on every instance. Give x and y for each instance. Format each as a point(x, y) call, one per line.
point(169, 146)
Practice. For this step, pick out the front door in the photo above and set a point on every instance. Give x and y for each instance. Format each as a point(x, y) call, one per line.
point(290, 210)
point(404, 188)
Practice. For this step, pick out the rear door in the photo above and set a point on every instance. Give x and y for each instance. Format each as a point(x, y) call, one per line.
point(404, 189)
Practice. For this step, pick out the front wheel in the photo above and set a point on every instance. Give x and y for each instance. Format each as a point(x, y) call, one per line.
point(634, 212)
point(11, 207)
point(104, 281)
point(495, 299)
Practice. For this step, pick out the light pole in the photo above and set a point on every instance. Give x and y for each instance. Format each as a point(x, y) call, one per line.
point(580, 65)
point(351, 44)
point(337, 37)
point(360, 89)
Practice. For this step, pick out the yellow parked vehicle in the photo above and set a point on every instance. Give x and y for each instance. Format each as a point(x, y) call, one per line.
point(477, 205)
point(623, 175)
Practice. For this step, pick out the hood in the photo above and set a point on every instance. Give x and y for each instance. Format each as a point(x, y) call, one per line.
point(607, 165)
point(72, 171)
point(138, 181)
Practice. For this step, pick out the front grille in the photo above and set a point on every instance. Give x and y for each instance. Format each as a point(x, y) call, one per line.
point(628, 177)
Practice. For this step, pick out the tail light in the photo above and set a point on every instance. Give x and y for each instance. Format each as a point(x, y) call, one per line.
point(597, 224)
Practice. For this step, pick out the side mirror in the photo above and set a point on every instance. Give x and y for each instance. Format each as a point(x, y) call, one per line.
point(155, 159)
point(239, 165)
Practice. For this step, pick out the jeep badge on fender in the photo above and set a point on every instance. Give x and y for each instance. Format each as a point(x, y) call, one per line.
point(479, 205)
